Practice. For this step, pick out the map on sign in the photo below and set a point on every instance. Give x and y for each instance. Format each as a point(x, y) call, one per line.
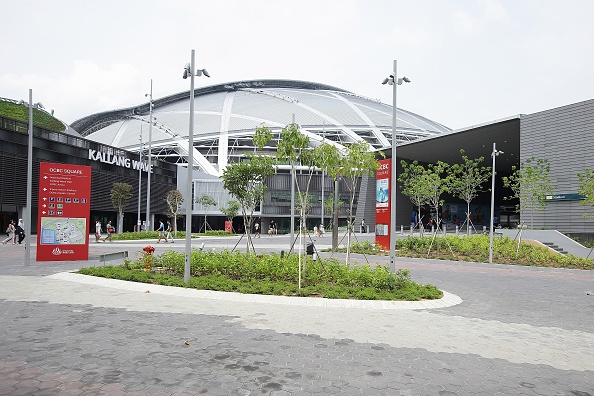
point(62, 231)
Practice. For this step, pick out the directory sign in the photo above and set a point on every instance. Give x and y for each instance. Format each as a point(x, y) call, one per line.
point(382, 203)
point(64, 212)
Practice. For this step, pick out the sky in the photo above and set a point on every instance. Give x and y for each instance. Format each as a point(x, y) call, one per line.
point(470, 61)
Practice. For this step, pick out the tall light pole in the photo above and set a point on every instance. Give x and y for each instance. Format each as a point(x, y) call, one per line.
point(494, 154)
point(392, 80)
point(29, 183)
point(189, 71)
point(138, 221)
point(148, 179)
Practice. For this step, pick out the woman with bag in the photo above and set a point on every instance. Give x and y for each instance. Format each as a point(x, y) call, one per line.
point(11, 233)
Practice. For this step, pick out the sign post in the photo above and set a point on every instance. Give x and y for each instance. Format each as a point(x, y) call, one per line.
point(382, 204)
point(64, 212)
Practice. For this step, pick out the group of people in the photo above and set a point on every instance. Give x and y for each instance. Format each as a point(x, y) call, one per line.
point(272, 230)
point(99, 230)
point(15, 232)
point(162, 231)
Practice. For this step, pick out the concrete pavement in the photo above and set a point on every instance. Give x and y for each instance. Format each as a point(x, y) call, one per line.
point(514, 330)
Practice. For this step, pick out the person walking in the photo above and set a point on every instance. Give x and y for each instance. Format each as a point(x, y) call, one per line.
point(98, 231)
point(169, 230)
point(161, 230)
point(110, 231)
point(363, 227)
point(20, 231)
point(257, 230)
point(11, 233)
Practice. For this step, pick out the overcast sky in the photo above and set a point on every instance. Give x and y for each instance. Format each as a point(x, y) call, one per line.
point(470, 61)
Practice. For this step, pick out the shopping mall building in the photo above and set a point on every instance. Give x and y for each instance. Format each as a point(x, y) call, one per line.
point(225, 119)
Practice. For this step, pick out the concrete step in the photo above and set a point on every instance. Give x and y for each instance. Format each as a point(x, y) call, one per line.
point(554, 247)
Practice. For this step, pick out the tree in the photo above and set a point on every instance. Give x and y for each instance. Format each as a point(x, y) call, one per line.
point(437, 184)
point(530, 184)
point(466, 181)
point(586, 188)
point(174, 199)
point(231, 210)
point(414, 186)
point(245, 179)
point(358, 160)
point(120, 194)
point(206, 201)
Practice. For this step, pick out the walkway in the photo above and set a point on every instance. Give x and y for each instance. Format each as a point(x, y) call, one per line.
point(517, 330)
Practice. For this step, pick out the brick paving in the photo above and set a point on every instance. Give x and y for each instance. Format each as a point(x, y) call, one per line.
point(518, 331)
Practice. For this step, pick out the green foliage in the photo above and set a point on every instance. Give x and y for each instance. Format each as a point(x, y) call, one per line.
point(586, 188)
point(269, 274)
point(120, 194)
point(231, 210)
point(134, 236)
point(206, 200)
point(218, 233)
point(41, 119)
point(436, 184)
point(476, 248)
point(413, 184)
point(530, 184)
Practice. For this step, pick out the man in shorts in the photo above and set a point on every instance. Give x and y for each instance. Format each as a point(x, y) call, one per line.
point(161, 230)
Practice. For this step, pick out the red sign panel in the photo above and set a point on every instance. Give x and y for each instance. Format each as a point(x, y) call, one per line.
point(382, 204)
point(64, 212)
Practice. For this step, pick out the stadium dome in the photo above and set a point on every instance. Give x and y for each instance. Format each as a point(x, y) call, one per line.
point(226, 116)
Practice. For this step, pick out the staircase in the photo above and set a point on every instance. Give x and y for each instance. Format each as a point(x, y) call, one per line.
point(554, 247)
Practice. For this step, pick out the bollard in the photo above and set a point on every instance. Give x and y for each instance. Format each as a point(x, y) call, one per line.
point(484, 229)
point(432, 229)
point(401, 229)
point(444, 228)
point(282, 254)
point(457, 230)
point(314, 256)
point(412, 227)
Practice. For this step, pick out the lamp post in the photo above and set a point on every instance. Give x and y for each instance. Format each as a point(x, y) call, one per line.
point(392, 80)
point(29, 182)
point(494, 154)
point(189, 71)
point(138, 221)
point(148, 178)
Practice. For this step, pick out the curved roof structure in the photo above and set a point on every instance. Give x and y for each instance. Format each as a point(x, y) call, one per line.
point(226, 116)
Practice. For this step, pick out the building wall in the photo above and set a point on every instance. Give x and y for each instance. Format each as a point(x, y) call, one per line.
point(66, 149)
point(564, 136)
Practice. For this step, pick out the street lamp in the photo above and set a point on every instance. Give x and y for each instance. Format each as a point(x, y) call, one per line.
point(138, 222)
point(148, 179)
point(494, 154)
point(392, 80)
point(30, 179)
point(189, 71)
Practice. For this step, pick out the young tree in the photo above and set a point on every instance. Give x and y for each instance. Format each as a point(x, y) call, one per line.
point(206, 201)
point(586, 188)
point(358, 160)
point(467, 179)
point(245, 180)
point(530, 184)
point(231, 210)
point(413, 185)
point(120, 194)
point(437, 184)
point(174, 199)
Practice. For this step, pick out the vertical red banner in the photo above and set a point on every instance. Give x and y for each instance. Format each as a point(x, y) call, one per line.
point(382, 203)
point(64, 212)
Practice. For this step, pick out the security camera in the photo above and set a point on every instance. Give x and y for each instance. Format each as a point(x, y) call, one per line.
point(385, 81)
point(406, 79)
point(185, 73)
point(205, 73)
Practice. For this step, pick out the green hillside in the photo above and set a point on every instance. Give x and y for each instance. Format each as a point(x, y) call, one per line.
point(40, 118)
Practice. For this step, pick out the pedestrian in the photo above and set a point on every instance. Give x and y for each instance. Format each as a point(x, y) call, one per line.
point(110, 230)
point(11, 231)
point(363, 228)
point(20, 231)
point(321, 230)
point(169, 230)
point(316, 231)
point(257, 229)
point(98, 231)
point(161, 230)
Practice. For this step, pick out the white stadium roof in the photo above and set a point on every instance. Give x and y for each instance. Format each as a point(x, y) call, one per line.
point(226, 116)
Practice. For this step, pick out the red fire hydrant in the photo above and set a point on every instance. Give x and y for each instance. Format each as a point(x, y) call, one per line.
point(148, 257)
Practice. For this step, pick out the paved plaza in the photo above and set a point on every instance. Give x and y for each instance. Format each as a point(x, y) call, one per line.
point(500, 330)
